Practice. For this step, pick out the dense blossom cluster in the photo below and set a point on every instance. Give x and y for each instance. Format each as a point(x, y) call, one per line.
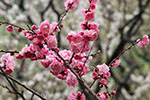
point(43, 47)
point(7, 63)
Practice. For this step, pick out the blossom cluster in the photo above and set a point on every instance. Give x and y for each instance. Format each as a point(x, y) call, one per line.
point(43, 47)
point(7, 63)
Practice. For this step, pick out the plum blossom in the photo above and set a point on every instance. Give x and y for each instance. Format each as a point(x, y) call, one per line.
point(102, 69)
point(90, 35)
point(52, 42)
point(92, 6)
point(144, 42)
point(54, 27)
point(70, 5)
point(89, 16)
point(7, 63)
point(71, 79)
point(74, 96)
point(116, 63)
point(74, 37)
point(45, 27)
point(103, 96)
point(56, 67)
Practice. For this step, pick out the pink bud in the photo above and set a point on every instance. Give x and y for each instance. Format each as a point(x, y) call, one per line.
point(116, 63)
point(34, 27)
point(113, 92)
point(103, 81)
point(19, 29)
point(100, 86)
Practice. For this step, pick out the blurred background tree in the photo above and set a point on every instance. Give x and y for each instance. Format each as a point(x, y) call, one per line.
point(122, 22)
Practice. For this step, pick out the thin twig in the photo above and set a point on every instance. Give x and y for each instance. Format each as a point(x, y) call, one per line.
point(19, 83)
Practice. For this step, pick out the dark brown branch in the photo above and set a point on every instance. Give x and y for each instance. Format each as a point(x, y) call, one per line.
point(44, 11)
point(19, 83)
point(9, 51)
point(15, 90)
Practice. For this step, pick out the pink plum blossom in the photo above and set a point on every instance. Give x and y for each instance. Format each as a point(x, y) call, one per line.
point(71, 79)
point(89, 16)
point(84, 25)
point(66, 54)
point(103, 96)
point(74, 37)
point(92, 6)
point(45, 27)
point(116, 63)
point(69, 5)
point(94, 26)
point(7, 63)
point(90, 35)
point(76, 1)
point(144, 42)
point(74, 96)
point(102, 69)
point(56, 67)
point(52, 42)
point(54, 27)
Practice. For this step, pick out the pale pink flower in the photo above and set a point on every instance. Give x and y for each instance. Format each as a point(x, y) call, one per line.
point(56, 67)
point(74, 37)
point(54, 27)
point(76, 1)
point(102, 69)
point(45, 27)
point(71, 79)
point(144, 42)
point(79, 47)
point(10, 28)
point(69, 5)
point(90, 35)
point(84, 11)
point(52, 42)
point(66, 54)
point(46, 62)
point(7, 63)
point(116, 63)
